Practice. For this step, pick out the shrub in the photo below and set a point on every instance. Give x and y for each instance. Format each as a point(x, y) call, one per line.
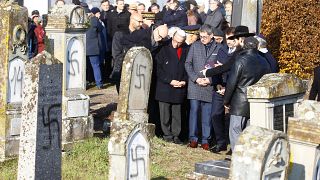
point(292, 29)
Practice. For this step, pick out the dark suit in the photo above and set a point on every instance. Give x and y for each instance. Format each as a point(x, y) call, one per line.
point(219, 121)
point(314, 92)
point(170, 67)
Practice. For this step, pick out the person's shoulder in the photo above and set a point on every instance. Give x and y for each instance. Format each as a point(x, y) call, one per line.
point(317, 69)
point(197, 43)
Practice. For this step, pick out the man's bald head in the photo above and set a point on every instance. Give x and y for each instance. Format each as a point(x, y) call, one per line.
point(136, 21)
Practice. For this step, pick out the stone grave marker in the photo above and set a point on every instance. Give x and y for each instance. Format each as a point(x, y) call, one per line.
point(13, 54)
point(66, 40)
point(247, 13)
point(129, 147)
point(273, 99)
point(40, 140)
point(304, 138)
point(260, 154)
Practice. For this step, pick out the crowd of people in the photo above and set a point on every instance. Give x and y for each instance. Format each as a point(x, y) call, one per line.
point(201, 65)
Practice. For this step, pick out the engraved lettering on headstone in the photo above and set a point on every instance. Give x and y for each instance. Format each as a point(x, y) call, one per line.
point(141, 76)
point(278, 118)
point(138, 159)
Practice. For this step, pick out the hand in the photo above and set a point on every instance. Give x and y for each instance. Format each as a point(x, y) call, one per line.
point(220, 89)
point(206, 81)
point(182, 83)
point(174, 83)
point(199, 81)
point(227, 107)
point(204, 72)
point(218, 64)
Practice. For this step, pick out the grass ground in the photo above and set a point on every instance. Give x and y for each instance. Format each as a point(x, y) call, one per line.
point(89, 160)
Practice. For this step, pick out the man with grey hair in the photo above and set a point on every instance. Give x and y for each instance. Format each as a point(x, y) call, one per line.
point(247, 69)
point(171, 88)
point(263, 51)
point(201, 54)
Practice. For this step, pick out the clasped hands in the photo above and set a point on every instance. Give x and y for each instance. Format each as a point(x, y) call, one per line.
point(177, 84)
point(203, 82)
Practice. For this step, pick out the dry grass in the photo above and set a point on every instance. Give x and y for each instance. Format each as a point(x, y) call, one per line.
point(89, 160)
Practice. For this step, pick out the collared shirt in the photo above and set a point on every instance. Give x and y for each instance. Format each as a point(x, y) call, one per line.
point(208, 46)
point(231, 50)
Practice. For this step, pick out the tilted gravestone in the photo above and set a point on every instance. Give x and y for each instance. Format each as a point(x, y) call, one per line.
point(304, 138)
point(260, 154)
point(13, 54)
point(40, 140)
point(129, 147)
point(66, 41)
point(273, 99)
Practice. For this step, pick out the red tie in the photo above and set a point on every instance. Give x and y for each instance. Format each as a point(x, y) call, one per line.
point(179, 52)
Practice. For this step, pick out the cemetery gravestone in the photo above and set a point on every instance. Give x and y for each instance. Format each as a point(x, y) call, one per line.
point(260, 154)
point(247, 13)
point(129, 148)
point(273, 99)
point(66, 40)
point(40, 140)
point(13, 54)
point(304, 138)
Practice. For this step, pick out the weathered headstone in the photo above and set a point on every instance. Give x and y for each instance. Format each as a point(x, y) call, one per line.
point(40, 140)
point(66, 40)
point(304, 138)
point(260, 154)
point(13, 54)
point(129, 147)
point(273, 99)
point(247, 13)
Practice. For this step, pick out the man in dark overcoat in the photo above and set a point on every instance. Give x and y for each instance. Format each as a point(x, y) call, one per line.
point(171, 86)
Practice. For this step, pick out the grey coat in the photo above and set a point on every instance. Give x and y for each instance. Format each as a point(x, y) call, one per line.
point(195, 62)
point(215, 19)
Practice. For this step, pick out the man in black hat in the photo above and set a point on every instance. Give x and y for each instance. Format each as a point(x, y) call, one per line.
point(248, 68)
point(240, 33)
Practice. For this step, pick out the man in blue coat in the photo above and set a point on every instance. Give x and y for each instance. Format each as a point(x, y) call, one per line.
point(93, 45)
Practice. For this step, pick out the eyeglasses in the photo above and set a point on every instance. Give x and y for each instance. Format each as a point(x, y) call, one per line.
point(204, 37)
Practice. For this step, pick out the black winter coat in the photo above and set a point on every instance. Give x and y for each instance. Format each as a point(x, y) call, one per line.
point(169, 68)
point(93, 38)
point(176, 18)
point(248, 68)
point(315, 88)
point(118, 22)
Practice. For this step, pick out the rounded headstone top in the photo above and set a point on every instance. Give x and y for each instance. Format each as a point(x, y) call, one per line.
point(276, 85)
point(73, 16)
point(259, 151)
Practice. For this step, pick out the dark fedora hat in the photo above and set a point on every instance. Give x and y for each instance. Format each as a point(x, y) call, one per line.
point(241, 31)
